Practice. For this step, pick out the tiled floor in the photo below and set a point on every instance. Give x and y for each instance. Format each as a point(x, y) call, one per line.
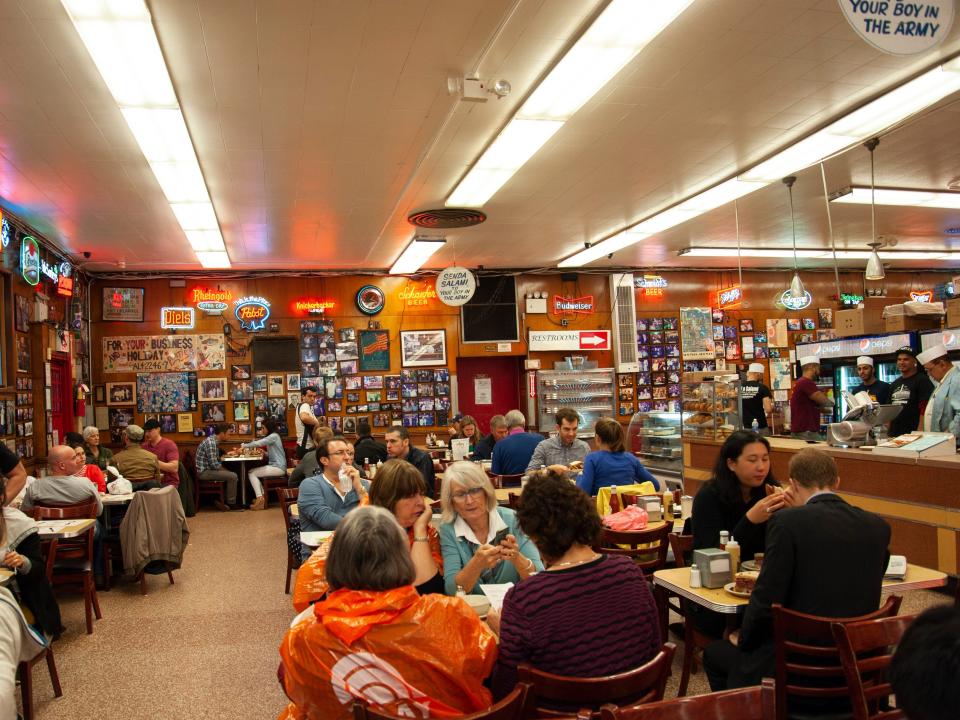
point(206, 647)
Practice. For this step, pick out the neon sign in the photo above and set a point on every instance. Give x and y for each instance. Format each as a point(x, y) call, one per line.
point(572, 306)
point(924, 296)
point(313, 306)
point(212, 301)
point(785, 301)
point(648, 282)
point(177, 318)
point(413, 296)
point(729, 297)
point(65, 283)
point(850, 299)
point(5, 231)
point(252, 312)
point(30, 260)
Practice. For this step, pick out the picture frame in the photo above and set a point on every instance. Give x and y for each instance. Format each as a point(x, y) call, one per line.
point(240, 372)
point(121, 393)
point(241, 410)
point(350, 426)
point(422, 348)
point(746, 325)
point(21, 313)
point(99, 394)
point(122, 304)
point(374, 350)
point(275, 388)
point(260, 383)
point(243, 428)
point(166, 392)
point(349, 367)
point(23, 353)
point(185, 422)
point(168, 422)
point(215, 412)
point(241, 390)
point(213, 388)
point(293, 382)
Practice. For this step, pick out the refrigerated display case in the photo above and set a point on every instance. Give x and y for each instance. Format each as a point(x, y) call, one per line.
point(654, 437)
point(948, 337)
point(711, 404)
point(589, 392)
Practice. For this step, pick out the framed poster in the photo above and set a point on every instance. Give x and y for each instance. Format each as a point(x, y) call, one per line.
point(120, 393)
point(374, 350)
point(241, 410)
point(185, 422)
point(213, 389)
point(214, 412)
point(275, 386)
point(99, 395)
point(696, 333)
point(122, 304)
point(21, 313)
point(166, 392)
point(423, 347)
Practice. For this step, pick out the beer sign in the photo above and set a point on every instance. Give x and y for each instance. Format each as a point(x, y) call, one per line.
point(177, 318)
point(252, 312)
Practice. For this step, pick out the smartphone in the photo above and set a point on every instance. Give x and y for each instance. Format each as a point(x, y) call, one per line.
point(500, 537)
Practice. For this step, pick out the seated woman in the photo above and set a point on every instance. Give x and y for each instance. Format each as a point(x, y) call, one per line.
point(468, 431)
point(586, 605)
point(91, 472)
point(20, 551)
point(276, 461)
point(399, 488)
point(97, 454)
point(375, 639)
point(610, 463)
point(481, 541)
point(309, 465)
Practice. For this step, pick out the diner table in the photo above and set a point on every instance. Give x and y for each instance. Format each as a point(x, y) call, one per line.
point(110, 502)
point(63, 529)
point(243, 461)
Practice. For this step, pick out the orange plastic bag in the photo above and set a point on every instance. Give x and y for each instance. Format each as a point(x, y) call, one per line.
point(408, 655)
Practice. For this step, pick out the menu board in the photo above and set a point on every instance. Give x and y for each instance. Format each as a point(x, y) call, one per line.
point(123, 304)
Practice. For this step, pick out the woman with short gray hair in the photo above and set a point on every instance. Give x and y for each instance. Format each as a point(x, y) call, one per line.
point(374, 639)
point(97, 454)
point(481, 541)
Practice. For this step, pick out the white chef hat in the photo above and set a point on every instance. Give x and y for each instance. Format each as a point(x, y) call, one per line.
point(755, 367)
point(809, 360)
point(865, 360)
point(933, 353)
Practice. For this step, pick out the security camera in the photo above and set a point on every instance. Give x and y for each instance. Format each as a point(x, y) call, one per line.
point(501, 88)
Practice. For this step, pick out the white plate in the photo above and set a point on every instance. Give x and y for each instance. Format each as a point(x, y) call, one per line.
point(749, 565)
point(729, 588)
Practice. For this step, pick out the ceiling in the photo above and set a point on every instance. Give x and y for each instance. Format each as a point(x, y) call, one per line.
point(321, 124)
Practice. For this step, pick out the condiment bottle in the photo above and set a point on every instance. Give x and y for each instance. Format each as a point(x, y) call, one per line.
point(667, 502)
point(695, 577)
point(724, 539)
point(733, 547)
point(614, 499)
point(366, 467)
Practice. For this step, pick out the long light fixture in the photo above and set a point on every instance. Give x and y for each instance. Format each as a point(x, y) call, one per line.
point(797, 290)
point(820, 253)
point(905, 198)
point(621, 31)
point(892, 107)
point(415, 255)
point(874, 269)
point(121, 40)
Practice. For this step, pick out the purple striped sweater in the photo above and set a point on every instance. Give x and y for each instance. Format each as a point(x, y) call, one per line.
point(596, 619)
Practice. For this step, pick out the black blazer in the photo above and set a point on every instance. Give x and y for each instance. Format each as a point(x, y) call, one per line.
point(369, 449)
point(825, 558)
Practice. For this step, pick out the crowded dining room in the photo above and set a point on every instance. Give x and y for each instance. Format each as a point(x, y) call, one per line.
point(501, 359)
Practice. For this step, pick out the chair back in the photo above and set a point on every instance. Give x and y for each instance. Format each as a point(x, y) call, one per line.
point(866, 649)
point(753, 703)
point(510, 481)
point(641, 685)
point(513, 500)
point(682, 545)
point(651, 557)
point(288, 496)
point(807, 658)
point(515, 706)
point(66, 512)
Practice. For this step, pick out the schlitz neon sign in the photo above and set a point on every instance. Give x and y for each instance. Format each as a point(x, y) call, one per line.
point(729, 297)
point(252, 312)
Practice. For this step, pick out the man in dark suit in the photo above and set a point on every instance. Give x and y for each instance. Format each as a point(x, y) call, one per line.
point(368, 449)
point(824, 557)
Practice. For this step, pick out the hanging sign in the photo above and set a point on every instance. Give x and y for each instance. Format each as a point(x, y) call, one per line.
point(923, 296)
point(897, 27)
point(177, 318)
point(65, 283)
point(252, 312)
point(30, 260)
point(854, 347)
point(729, 297)
point(370, 300)
point(850, 299)
point(312, 306)
point(6, 232)
point(789, 303)
point(573, 306)
point(412, 295)
point(455, 286)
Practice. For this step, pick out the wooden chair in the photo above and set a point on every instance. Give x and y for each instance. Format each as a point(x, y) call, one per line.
point(650, 558)
point(513, 500)
point(515, 706)
point(808, 662)
point(71, 562)
point(25, 676)
point(509, 481)
point(753, 703)
point(694, 641)
point(203, 487)
point(272, 485)
point(644, 684)
point(866, 649)
point(287, 497)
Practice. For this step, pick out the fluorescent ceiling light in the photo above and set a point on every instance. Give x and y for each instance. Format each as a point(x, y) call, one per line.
point(910, 198)
point(621, 31)
point(415, 255)
point(802, 154)
point(121, 40)
point(820, 254)
point(750, 252)
point(602, 249)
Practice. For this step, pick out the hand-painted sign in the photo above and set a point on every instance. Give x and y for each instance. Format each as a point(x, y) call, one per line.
point(573, 306)
point(455, 286)
point(177, 318)
point(163, 353)
point(897, 27)
point(540, 340)
point(729, 297)
point(252, 312)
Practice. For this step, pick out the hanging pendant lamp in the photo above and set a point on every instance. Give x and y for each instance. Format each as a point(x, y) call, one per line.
point(874, 269)
point(797, 290)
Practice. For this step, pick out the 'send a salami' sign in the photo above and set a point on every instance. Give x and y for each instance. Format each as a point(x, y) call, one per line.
point(540, 340)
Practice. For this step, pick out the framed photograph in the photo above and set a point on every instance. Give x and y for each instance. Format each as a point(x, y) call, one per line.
point(185, 422)
point(241, 390)
point(349, 426)
point(746, 325)
point(21, 313)
point(373, 382)
point(346, 351)
point(809, 324)
point(166, 392)
point(275, 386)
point(278, 407)
point(420, 348)
point(214, 412)
point(99, 393)
point(826, 317)
point(121, 393)
point(347, 334)
point(260, 383)
point(120, 417)
point(716, 315)
point(168, 422)
point(334, 406)
point(293, 400)
point(793, 324)
point(353, 397)
point(375, 396)
point(374, 350)
point(122, 304)
point(213, 389)
point(241, 410)
point(23, 353)
point(349, 367)
point(239, 372)
point(293, 382)
point(243, 428)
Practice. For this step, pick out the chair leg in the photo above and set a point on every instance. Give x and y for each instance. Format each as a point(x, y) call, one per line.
point(26, 689)
point(54, 675)
point(88, 602)
point(687, 661)
point(96, 602)
point(289, 569)
point(170, 575)
point(143, 583)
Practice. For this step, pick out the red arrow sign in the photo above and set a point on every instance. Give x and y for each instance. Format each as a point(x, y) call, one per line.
point(594, 339)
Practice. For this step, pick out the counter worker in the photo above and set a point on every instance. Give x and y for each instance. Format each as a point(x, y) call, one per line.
point(807, 401)
point(756, 400)
point(911, 390)
point(878, 390)
point(943, 410)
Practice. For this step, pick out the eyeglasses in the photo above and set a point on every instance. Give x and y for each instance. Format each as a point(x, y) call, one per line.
point(463, 494)
point(338, 452)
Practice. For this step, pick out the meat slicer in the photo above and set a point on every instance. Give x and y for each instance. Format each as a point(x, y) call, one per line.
point(864, 422)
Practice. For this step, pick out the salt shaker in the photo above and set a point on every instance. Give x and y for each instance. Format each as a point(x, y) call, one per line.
point(695, 577)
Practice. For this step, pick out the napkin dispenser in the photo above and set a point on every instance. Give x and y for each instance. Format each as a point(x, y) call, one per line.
point(651, 503)
point(714, 565)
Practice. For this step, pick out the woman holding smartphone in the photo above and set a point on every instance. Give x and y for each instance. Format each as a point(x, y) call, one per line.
point(481, 541)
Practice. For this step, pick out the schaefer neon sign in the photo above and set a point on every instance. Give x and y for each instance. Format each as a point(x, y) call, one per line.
point(252, 312)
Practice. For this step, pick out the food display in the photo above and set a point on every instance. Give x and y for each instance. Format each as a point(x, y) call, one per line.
point(654, 437)
point(711, 404)
point(590, 392)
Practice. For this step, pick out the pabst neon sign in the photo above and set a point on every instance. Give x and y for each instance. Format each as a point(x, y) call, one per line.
point(570, 306)
point(252, 312)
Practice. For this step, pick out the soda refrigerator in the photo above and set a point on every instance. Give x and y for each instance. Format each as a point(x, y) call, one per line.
point(838, 363)
point(949, 337)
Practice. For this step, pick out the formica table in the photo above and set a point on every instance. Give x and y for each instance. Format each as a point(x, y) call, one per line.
point(243, 462)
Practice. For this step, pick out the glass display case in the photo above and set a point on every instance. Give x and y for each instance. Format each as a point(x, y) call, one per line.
point(711, 404)
point(589, 392)
point(654, 437)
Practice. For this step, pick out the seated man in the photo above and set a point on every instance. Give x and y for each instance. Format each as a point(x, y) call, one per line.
point(168, 456)
point(61, 486)
point(210, 469)
point(498, 431)
point(565, 447)
point(399, 448)
point(134, 463)
point(823, 557)
point(327, 497)
point(368, 449)
point(511, 456)
point(926, 665)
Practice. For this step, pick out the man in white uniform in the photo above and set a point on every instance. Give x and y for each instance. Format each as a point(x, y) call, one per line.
point(943, 410)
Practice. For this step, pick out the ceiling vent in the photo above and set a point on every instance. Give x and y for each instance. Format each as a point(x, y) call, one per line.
point(446, 218)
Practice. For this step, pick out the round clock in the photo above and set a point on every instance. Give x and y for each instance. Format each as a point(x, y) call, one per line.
point(370, 299)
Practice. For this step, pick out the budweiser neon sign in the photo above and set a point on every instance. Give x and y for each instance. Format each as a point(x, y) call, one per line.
point(568, 306)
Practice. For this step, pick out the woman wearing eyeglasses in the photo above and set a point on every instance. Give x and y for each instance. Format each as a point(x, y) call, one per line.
point(481, 541)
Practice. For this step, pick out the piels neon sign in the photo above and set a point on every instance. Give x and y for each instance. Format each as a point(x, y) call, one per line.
point(177, 318)
point(252, 312)
point(570, 306)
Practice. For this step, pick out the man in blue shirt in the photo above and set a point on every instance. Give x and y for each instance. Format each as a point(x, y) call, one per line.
point(512, 454)
point(210, 469)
